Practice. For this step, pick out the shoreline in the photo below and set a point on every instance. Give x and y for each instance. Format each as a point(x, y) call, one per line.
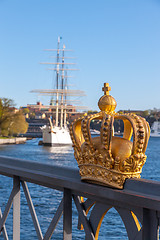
point(16, 140)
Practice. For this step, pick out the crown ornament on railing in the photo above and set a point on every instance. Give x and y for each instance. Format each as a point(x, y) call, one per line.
point(109, 160)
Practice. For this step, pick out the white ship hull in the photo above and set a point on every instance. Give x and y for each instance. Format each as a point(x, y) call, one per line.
point(56, 136)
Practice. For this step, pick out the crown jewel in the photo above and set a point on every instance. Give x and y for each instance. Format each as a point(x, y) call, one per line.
point(108, 159)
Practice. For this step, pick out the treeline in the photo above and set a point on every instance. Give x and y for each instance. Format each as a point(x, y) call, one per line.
point(149, 115)
point(12, 121)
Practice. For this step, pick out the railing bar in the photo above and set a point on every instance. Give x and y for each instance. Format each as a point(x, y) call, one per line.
point(83, 217)
point(4, 231)
point(32, 210)
point(139, 235)
point(16, 210)
point(8, 206)
point(150, 229)
point(54, 222)
point(67, 214)
point(158, 215)
point(86, 206)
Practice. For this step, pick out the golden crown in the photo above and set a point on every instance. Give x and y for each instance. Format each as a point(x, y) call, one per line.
point(108, 159)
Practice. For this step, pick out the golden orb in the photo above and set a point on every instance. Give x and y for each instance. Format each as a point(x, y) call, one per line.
point(107, 103)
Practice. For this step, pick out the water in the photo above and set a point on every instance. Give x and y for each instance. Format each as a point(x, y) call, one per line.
point(46, 200)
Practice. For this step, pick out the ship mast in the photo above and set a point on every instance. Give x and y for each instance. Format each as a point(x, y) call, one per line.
point(57, 73)
point(65, 102)
point(61, 122)
point(61, 91)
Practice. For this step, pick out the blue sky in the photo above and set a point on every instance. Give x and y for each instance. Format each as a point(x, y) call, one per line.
point(115, 41)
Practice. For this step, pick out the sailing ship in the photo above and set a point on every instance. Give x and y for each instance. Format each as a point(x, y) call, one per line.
point(155, 129)
point(58, 133)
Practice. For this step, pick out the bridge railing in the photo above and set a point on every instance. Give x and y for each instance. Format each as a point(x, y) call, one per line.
point(138, 204)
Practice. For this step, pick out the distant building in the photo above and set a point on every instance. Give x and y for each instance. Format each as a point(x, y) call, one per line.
point(40, 115)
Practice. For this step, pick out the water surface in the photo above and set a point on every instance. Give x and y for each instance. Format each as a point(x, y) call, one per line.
point(46, 200)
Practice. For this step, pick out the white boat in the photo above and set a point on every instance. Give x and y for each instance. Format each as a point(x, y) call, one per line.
point(155, 129)
point(59, 106)
point(94, 132)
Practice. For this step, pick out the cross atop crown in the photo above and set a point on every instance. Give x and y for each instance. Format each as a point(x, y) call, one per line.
point(106, 88)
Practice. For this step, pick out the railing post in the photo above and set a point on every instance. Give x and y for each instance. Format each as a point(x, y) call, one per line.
point(67, 215)
point(16, 210)
point(150, 225)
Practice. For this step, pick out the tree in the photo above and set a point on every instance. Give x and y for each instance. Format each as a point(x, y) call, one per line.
point(25, 110)
point(146, 113)
point(11, 122)
point(6, 114)
point(92, 112)
point(32, 115)
point(18, 125)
